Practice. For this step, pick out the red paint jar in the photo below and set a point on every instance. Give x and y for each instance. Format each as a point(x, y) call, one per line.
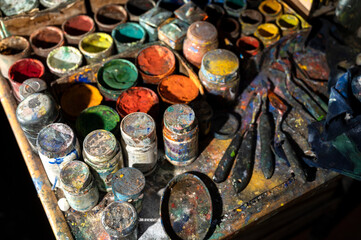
point(155, 63)
point(46, 39)
point(22, 70)
point(138, 99)
point(248, 45)
point(76, 27)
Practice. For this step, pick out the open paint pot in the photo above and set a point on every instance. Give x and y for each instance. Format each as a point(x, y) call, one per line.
point(109, 16)
point(154, 63)
point(128, 35)
point(288, 23)
point(138, 99)
point(96, 47)
point(115, 76)
point(268, 33)
point(76, 27)
point(64, 60)
point(234, 7)
point(12, 49)
point(270, 9)
point(177, 89)
point(22, 70)
point(229, 28)
point(250, 19)
point(135, 8)
point(46, 39)
point(248, 46)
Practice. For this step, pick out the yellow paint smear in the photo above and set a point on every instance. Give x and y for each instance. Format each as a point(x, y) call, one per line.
point(98, 42)
point(222, 66)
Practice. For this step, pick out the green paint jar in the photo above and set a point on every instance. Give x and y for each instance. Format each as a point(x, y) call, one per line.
point(96, 47)
point(64, 60)
point(128, 35)
point(115, 76)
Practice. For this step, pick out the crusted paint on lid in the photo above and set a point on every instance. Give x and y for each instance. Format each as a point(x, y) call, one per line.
point(30, 86)
point(179, 118)
point(129, 182)
point(100, 144)
point(75, 176)
point(138, 129)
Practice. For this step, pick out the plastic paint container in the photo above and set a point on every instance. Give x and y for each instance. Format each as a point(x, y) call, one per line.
point(152, 19)
point(180, 134)
point(270, 9)
point(51, 3)
point(12, 49)
point(190, 13)
point(136, 8)
point(128, 35)
point(22, 70)
point(155, 63)
point(96, 47)
point(30, 86)
point(34, 113)
point(234, 7)
point(97, 117)
point(267, 33)
point(201, 38)
point(115, 76)
point(139, 140)
point(250, 19)
point(248, 46)
point(46, 39)
point(288, 23)
point(138, 99)
point(172, 32)
point(120, 221)
point(78, 186)
point(128, 186)
point(76, 27)
point(78, 97)
point(102, 152)
point(109, 16)
point(63, 60)
point(57, 145)
point(15, 7)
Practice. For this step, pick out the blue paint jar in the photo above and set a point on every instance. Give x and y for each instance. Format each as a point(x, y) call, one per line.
point(128, 35)
point(128, 186)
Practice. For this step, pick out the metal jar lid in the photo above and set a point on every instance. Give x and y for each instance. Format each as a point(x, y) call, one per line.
point(30, 86)
point(155, 16)
point(75, 176)
point(202, 32)
point(56, 140)
point(99, 146)
point(180, 118)
point(129, 182)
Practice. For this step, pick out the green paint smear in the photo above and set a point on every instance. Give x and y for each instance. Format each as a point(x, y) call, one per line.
point(119, 74)
point(233, 154)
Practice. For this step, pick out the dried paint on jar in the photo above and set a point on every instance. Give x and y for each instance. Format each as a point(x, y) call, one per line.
point(234, 8)
point(128, 35)
point(152, 19)
point(14, 7)
point(270, 9)
point(190, 13)
point(180, 134)
point(57, 145)
point(96, 47)
point(76, 27)
point(31, 86)
point(139, 141)
point(250, 19)
point(109, 16)
point(172, 32)
point(268, 34)
point(288, 23)
point(78, 186)
point(103, 154)
point(63, 60)
point(128, 186)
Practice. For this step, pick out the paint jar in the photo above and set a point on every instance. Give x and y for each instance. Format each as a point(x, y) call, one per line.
point(215, 13)
point(135, 8)
point(152, 19)
point(268, 34)
point(64, 60)
point(109, 16)
point(57, 145)
point(139, 140)
point(253, 4)
point(46, 39)
point(96, 47)
point(97, 117)
point(30, 86)
point(115, 76)
point(12, 49)
point(15, 7)
point(204, 114)
point(270, 9)
point(248, 46)
point(102, 152)
point(120, 221)
point(128, 186)
point(78, 97)
point(219, 75)
point(78, 186)
point(250, 19)
point(234, 8)
point(180, 134)
point(23, 69)
point(34, 113)
point(201, 38)
point(128, 35)
point(177, 89)
point(154, 63)
point(172, 32)
point(229, 28)
point(51, 3)
point(190, 13)
point(288, 23)
point(138, 99)
point(76, 27)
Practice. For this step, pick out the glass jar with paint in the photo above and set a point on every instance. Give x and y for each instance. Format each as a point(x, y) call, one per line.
point(57, 145)
point(180, 134)
point(115, 76)
point(190, 13)
point(250, 19)
point(219, 75)
point(34, 113)
point(46, 39)
point(152, 19)
point(128, 35)
point(268, 34)
point(15, 7)
point(288, 23)
point(234, 7)
point(51, 3)
point(248, 46)
point(78, 186)
point(64, 60)
point(136, 8)
point(76, 27)
point(31, 86)
point(201, 37)
point(96, 47)
point(154, 63)
point(139, 141)
point(102, 152)
point(109, 16)
point(120, 221)
point(128, 186)
point(172, 32)
point(270, 9)
point(229, 30)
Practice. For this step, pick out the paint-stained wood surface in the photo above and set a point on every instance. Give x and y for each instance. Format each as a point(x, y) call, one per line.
point(96, 4)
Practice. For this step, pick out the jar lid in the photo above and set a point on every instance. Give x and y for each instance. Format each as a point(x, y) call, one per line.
point(202, 32)
point(129, 182)
point(75, 176)
point(180, 118)
point(100, 145)
point(190, 13)
point(175, 30)
point(30, 86)
point(155, 16)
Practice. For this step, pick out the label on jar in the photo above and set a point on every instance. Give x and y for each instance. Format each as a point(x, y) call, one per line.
point(143, 159)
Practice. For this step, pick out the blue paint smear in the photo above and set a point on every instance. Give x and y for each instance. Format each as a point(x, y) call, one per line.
point(38, 184)
point(83, 79)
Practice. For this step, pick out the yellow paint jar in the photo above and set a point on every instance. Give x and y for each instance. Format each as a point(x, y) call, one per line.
point(288, 23)
point(267, 33)
point(96, 47)
point(270, 9)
